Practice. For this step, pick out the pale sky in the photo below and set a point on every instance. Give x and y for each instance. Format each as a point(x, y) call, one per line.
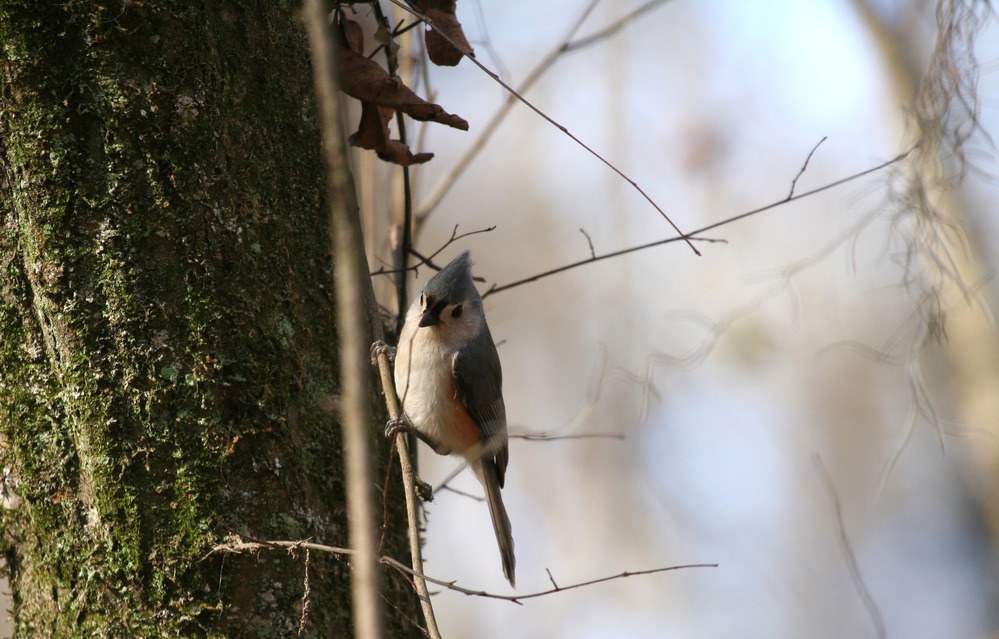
point(712, 107)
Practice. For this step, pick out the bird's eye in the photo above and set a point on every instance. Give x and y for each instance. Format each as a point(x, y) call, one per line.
point(457, 311)
point(423, 299)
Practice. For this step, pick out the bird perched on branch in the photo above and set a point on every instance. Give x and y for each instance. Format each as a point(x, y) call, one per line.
point(447, 374)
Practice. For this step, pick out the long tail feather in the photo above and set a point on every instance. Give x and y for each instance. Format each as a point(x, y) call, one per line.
point(489, 477)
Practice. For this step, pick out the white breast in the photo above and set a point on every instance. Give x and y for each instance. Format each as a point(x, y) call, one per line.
point(425, 383)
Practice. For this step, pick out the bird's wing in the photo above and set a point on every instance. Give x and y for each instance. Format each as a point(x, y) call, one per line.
point(478, 381)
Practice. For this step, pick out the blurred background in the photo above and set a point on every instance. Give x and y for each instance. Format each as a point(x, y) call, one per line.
point(811, 404)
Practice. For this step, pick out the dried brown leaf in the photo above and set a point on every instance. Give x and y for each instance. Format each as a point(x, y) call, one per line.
point(445, 21)
point(353, 35)
point(372, 133)
point(367, 81)
point(381, 95)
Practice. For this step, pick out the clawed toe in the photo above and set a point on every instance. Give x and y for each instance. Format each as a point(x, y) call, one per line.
point(395, 426)
point(380, 347)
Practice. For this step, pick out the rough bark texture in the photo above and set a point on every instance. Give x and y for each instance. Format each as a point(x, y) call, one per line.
point(166, 339)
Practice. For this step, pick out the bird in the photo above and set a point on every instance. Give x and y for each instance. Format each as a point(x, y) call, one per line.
point(449, 381)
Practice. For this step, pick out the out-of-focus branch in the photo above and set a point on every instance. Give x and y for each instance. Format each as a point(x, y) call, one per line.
point(693, 234)
point(350, 275)
point(565, 45)
point(354, 290)
point(547, 118)
point(448, 180)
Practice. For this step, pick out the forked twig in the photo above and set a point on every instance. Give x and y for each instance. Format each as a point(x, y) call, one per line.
point(519, 599)
point(257, 546)
point(693, 235)
point(804, 166)
point(352, 303)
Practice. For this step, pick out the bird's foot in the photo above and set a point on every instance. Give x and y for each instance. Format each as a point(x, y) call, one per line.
point(395, 426)
point(380, 347)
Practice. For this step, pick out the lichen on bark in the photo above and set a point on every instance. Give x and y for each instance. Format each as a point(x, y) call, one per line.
point(167, 352)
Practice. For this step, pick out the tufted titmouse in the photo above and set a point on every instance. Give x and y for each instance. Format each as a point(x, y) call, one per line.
point(447, 373)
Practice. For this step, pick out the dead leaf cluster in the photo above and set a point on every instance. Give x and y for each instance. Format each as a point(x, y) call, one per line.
point(382, 93)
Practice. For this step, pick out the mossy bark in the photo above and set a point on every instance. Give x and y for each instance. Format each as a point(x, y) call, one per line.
point(167, 360)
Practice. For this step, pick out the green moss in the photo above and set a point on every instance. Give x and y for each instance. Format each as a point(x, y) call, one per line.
point(165, 319)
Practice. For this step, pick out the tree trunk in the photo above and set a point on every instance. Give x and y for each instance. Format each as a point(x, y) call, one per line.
point(167, 357)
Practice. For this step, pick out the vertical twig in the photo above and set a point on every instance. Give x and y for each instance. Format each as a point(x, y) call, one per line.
point(316, 24)
point(401, 259)
point(409, 483)
point(349, 273)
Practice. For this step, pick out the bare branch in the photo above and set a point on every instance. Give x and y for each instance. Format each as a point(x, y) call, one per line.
point(409, 483)
point(566, 44)
point(804, 166)
point(519, 599)
point(545, 437)
point(257, 546)
point(447, 181)
point(613, 28)
point(462, 493)
point(454, 238)
point(693, 234)
point(558, 126)
point(551, 578)
point(427, 260)
point(589, 240)
point(349, 268)
point(848, 555)
point(531, 437)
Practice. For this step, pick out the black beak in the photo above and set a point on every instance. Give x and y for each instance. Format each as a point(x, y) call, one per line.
point(430, 318)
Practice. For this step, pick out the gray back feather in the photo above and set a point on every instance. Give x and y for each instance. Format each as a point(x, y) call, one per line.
point(478, 379)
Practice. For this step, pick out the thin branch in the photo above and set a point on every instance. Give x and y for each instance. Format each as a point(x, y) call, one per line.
point(463, 493)
point(519, 599)
point(848, 555)
point(551, 578)
point(409, 483)
point(693, 234)
point(256, 546)
point(349, 268)
point(589, 240)
point(552, 121)
point(450, 476)
point(804, 166)
point(458, 168)
point(486, 42)
point(403, 29)
point(544, 437)
point(531, 437)
point(613, 28)
point(565, 45)
point(427, 260)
